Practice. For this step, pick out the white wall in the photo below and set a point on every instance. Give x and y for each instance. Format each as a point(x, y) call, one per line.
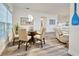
point(50, 28)
point(73, 36)
point(64, 17)
point(17, 13)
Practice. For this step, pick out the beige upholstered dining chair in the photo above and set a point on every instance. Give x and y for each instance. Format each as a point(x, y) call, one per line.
point(61, 36)
point(23, 37)
point(41, 36)
point(15, 36)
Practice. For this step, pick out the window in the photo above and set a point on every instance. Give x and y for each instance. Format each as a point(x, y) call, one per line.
point(9, 22)
point(52, 22)
point(5, 20)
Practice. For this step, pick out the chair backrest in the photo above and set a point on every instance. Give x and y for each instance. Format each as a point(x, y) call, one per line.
point(59, 31)
point(13, 31)
point(43, 32)
point(23, 34)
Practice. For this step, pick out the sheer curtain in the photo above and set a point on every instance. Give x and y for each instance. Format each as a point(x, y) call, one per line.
point(5, 20)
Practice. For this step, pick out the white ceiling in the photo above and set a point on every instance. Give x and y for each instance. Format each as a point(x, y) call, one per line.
point(54, 8)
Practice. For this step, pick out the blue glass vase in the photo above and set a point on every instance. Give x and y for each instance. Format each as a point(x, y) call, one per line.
point(75, 19)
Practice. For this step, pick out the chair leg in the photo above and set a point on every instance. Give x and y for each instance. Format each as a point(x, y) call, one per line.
point(19, 44)
point(44, 40)
point(41, 44)
point(13, 41)
point(26, 46)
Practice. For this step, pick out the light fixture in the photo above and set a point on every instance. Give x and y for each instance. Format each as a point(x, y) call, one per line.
point(75, 18)
point(29, 16)
point(27, 8)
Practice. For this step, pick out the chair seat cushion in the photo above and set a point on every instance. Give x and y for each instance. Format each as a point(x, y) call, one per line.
point(37, 36)
point(28, 37)
point(39, 32)
point(37, 42)
point(17, 35)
